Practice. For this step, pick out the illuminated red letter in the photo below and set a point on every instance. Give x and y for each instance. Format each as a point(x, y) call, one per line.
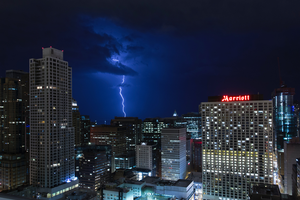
point(225, 98)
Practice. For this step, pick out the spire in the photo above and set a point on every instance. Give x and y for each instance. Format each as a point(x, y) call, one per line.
point(175, 114)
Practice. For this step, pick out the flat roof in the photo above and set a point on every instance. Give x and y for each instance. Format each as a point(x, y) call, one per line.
point(183, 183)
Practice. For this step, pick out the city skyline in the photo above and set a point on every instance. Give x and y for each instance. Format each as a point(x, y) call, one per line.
point(173, 56)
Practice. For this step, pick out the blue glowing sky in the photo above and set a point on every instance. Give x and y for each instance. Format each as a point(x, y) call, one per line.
point(173, 54)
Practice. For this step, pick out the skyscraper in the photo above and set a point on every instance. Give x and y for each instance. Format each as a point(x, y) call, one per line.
point(285, 123)
point(284, 120)
point(237, 145)
point(52, 139)
point(14, 113)
point(173, 153)
point(76, 122)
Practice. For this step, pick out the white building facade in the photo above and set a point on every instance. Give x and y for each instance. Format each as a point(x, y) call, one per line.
point(173, 153)
point(144, 156)
point(237, 145)
point(52, 139)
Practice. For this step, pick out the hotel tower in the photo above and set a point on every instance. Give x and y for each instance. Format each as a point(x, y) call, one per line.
point(237, 145)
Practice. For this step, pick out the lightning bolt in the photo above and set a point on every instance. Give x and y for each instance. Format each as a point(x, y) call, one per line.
point(120, 88)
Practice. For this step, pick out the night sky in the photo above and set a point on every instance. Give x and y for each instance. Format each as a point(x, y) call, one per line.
point(173, 53)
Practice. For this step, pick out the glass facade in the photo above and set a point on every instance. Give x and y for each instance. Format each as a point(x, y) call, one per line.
point(285, 121)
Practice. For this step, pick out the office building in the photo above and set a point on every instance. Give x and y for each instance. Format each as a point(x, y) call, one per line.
point(193, 126)
point(197, 155)
point(14, 114)
point(110, 135)
point(285, 122)
point(296, 179)
point(124, 161)
point(237, 136)
point(144, 158)
point(133, 130)
point(173, 153)
point(85, 127)
point(291, 153)
point(52, 162)
point(76, 122)
point(93, 165)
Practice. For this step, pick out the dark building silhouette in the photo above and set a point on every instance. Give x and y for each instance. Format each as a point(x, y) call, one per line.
point(76, 123)
point(133, 130)
point(85, 126)
point(14, 111)
point(93, 164)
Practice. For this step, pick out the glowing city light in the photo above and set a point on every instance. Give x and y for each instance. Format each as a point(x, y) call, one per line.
point(120, 88)
point(236, 98)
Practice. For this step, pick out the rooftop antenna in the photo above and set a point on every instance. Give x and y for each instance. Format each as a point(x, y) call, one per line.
point(280, 80)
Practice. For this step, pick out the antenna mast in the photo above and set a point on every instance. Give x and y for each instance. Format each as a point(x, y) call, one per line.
point(280, 80)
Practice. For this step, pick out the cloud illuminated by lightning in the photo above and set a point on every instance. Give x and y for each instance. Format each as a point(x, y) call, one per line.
point(120, 88)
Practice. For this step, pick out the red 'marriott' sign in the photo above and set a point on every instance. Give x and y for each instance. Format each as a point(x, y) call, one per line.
point(236, 98)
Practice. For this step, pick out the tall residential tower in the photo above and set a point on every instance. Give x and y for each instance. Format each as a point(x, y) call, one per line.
point(52, 139)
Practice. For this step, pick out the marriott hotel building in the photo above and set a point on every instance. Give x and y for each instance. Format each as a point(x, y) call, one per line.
point(237, 145)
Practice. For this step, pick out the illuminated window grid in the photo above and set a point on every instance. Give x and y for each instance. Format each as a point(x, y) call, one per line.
point(237, 147)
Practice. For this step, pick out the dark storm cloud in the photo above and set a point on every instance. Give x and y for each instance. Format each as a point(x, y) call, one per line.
point(194, 15)
point(134, 48)
point(32, 26)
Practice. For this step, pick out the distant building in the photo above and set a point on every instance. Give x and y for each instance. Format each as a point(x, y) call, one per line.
point(285, 122)
point(14, 107)
point(110, 135)
point(291, 153)
point(173, 153)
point(145, 156)
point(237, 136)
point(76, 122)
point(296, 179)
point(93, 166)
point(197, 155)
point(133, 130)
point(85, 126)
point(125, 161)
point(52, 155)
point(193, 126)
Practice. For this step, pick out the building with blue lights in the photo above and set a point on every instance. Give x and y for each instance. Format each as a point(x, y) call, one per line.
point(285, 122)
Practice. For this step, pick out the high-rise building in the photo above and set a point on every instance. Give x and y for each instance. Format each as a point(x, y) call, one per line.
point(76, 122)
point(110, 135)
point(85, 126)
point(296, 179)
point(93, 165)
point(133, 130)
point(173, 153)
point(144, 156)
point(285, 122)
point(193, 126)
point(197, 155)
point(291, 153)
point(237, 145)
point(14, 114)
point(52, 162)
